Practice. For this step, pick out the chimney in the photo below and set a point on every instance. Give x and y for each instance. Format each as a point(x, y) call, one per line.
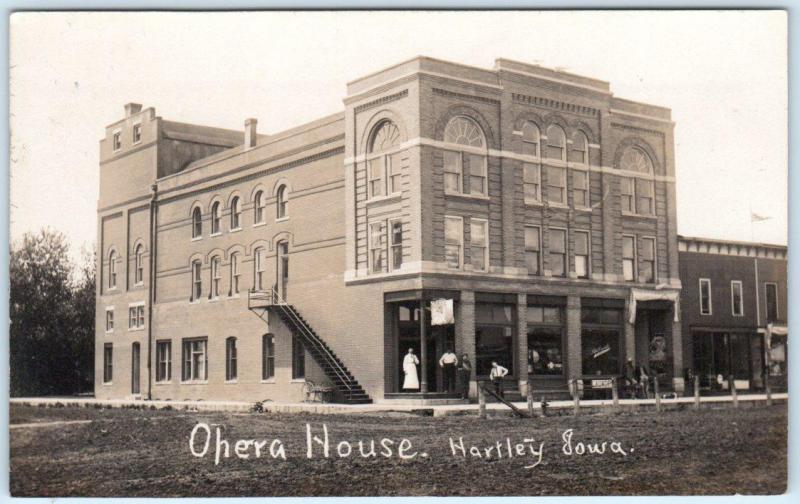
point(250, 133)
point(132, 108)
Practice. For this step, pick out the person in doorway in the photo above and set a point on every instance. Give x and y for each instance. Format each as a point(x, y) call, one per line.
point(448, 362)
point(464, 372)
point(410, 362)
point(629, 379)
point(643, 375)
point(496, 375)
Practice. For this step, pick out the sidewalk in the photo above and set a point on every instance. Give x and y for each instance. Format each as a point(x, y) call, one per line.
point(554, 407)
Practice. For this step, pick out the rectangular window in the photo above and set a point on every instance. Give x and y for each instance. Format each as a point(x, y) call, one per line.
point(298, 359)
point(376, 247)
point(533, 247)
point(545, 335)
point(109, 320)
point(600, 341)
point(453, 241)
point(644, 197)
point(627, 194)
point(647, 252)
point(136, 317)
point(628, 258)
point(532, 182)
point(197, 282)
point(705, 296)
point(558, 252)
point(267, 357)
point(772, 301)
point(108, 362)
point(375, 177)
point(116, 140)
point(581, 254)
point(163, 361)
point(737, 305)
point(216, 277)
point(230, 359)
point(394, 173)
point(580, 189)
point(556, 185)
point(138, 275)
point(452, 172)
point(258, 269)
point(235, 275)
point(195, 359)
point(396, 244)
point(479, 244)
point(477, 174)
point(137, 133)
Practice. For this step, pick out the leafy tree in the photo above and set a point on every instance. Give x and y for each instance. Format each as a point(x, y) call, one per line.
point(52, 318)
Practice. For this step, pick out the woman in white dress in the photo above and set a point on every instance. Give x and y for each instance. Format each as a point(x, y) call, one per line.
point(410, 369)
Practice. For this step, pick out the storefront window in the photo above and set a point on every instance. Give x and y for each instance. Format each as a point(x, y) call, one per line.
point(777, 356)
point(545, 332)
point(600, 345)
point(494, 336)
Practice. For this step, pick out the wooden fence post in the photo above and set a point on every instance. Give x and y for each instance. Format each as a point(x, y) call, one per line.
point(656, 394)
point(734, 395)
point(481, 400)
point(768, 388)
point(530, 397)
point(696, 392)
point(615, 392)
point(576, 397)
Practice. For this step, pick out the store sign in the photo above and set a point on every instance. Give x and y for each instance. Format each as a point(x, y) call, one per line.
point(442, 312)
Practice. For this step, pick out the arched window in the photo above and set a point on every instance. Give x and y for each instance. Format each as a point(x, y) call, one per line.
point(139, 269)
point(267, 357)
point(216, 277)
point(112, 269)
point(556, 142)
point(579, 153)
point(235, 274)
point(637, 193)
point(215, 218)
point(197, 281)
point(465, 171)
point(197, 223)
point(282, 202)
point(530, 139)
point(258, 268)
point(258, 207)
point(236, 213)
point(383, 170)
point(230, 359)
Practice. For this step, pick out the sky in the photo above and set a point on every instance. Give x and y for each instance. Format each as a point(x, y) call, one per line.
point(723, 74)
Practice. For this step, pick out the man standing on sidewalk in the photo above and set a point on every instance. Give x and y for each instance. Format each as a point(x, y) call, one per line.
point(496, 375)
point(464, 372)
point(448, 363)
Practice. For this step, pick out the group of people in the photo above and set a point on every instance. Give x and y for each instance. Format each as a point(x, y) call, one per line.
point(455, 373)
point(636, 379)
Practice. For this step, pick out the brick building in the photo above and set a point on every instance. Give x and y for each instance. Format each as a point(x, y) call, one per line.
point(539, 203)
point(734, 293)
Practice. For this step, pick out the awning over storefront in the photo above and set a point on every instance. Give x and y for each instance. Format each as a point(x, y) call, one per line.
point(638, 295)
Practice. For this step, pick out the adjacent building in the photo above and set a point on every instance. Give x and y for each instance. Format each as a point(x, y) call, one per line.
point(734, 311)
point(238, 265)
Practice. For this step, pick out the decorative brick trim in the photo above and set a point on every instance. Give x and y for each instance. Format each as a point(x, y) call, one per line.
point(462, 96)
point(382, 101)
point(555, 104)
point(659, 134)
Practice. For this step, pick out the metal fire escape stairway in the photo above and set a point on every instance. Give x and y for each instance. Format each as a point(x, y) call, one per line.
point(347, 389)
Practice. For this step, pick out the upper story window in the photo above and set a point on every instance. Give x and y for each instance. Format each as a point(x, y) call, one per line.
point(259, 204)
point(637, 193)
point(235, 274)
point(395, 244)
point(772, 301)
point(579, 152)
point(558, 251)
point(197, 223)
point(531, 139)
point(705, 296)
point(259, 268)
point(737, 304)
point(557, 185)
point(216, 277)
point(647, 253)
point(137, 133)
point(465, 172)
point(215, 218)
point(110, 319)
point(384, 166)
point(453, 241)
point(580, 189)
point(532, 182)
point(556, 143)
point(136, 316)
point(112, 269)
point(282, 202)
point(376, 247)
point(139, 269)
point(197, 281)
point(533, 247)
point(116, 140)
point(236, 213)
point(479, 244)
point(582, 262)
point(629, 258)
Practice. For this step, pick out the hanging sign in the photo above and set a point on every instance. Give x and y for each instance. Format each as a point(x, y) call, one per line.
point(442, 312)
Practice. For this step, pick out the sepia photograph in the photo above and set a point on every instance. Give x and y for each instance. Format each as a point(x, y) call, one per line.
point(398, 253)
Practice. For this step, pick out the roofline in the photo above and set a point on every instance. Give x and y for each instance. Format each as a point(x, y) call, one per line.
point(731, 242)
